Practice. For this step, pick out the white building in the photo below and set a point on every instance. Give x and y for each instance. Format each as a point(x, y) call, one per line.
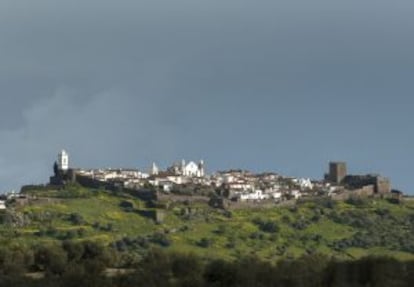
point(228, 178)
point(2, 204)
point(295, 194)
point(63, 161)
point(166, 185)
point(190, 169)
point(177, 179)
point(154, 169)
point(276, 195)
point(241, 185)
point(255, 195)
point(304, 183)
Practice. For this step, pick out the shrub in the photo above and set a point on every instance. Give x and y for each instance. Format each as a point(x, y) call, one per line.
point(300, 224)
point(221, 229)
point(76, 219)
point(160, 239)
point(205, 242)
point(267, 225)
point(127, 206)
point(358, 201)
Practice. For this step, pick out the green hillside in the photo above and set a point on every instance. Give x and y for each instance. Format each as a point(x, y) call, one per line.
point(346, 230)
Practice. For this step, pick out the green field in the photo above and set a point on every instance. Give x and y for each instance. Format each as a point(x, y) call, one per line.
point(343, 229)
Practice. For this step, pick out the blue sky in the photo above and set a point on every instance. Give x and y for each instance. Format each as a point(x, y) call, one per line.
point(263, 85)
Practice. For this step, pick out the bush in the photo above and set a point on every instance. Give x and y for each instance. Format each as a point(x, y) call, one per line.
point(326, 202)
point(257, 236)
point(221, 229)
point(300, 224)
point(160, 239)
point(205, 242)
point(383, 212)
point(76, 219)
point(73, 250)
point(51, 259)
point(127, 206)
point(267, 225)
point(358, 201)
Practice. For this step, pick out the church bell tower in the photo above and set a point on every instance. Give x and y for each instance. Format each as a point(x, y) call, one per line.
point(63, 161)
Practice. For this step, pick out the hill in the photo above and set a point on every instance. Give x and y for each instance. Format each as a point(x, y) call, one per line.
point(348, 230)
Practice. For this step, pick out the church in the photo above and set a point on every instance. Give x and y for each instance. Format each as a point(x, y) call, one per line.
point(62, 172)
point(190, 169)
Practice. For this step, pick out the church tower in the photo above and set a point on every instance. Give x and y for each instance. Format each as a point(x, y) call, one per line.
point(201, 169)
point(154, 169)
point(182, 169)
point(63, 161)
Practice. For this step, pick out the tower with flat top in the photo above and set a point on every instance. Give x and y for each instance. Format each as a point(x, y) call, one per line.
point(337, 172)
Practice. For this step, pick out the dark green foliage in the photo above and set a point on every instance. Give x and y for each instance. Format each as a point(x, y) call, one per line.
point(205, 242)
point(354, 218)
point(266, 225)
point(51, 259)
point(301, 224)
point(257, 236)
point(76, 219)
point(180, 266)
point(358, 201)
point(73, 250)
point(369, 271)
point(220, 273)
point(328, 203)
point(108, 227)
point(127, 206)
point(231, 243)
point(293, 209)
point(14, 261)
point(382, 212)
point(83, 264)
point(61, 234)
point(379, 228)
point(221, 229)
point(160, 239)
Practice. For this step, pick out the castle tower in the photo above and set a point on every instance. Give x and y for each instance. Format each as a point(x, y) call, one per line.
point(63, 161)
point(337, 172)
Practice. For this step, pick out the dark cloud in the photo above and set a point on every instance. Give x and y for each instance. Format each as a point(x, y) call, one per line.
point(285, 85)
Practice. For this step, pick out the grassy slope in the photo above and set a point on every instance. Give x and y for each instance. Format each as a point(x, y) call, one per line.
point(205, 223)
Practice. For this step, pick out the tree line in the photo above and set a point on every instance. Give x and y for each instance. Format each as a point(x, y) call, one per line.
point(86, 264)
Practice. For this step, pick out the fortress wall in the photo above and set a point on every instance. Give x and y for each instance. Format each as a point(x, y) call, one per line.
point(365, 191)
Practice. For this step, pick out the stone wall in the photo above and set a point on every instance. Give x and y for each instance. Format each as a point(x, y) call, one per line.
point(142, 194)
point(365, 191)
point(381, 184)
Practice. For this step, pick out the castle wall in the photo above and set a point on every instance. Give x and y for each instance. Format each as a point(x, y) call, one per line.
point(88, 182)
point(365, 191)
point(383, 185)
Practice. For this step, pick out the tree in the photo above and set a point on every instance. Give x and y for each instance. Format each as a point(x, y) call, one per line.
point(51, 259)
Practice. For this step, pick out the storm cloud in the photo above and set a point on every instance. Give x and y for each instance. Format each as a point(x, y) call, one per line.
point(264, 85)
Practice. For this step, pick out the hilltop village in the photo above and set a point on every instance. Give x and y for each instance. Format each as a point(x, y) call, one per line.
point(189, 181)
